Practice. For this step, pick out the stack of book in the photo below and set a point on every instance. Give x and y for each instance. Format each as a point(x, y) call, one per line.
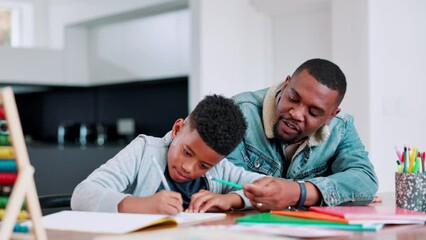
point(364, 218)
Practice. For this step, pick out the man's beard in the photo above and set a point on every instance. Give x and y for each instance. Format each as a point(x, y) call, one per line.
point(283, 139)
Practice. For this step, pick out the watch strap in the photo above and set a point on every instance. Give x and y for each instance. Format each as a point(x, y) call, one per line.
point(302, 197)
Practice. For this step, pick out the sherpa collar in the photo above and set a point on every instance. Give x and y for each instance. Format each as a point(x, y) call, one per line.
point(269, 107)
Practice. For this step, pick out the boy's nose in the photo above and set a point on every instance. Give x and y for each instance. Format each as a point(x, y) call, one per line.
point(187, 166)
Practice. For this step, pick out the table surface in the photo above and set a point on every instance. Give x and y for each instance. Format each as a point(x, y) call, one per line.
point(411, 232)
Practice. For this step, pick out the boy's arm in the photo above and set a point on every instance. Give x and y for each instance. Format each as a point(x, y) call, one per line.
point(163, 202)
point(103, 189)
point(204, 201)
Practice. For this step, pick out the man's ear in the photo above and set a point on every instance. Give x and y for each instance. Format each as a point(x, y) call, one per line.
point(332, 115)
point(286, 81)
point(177, 127)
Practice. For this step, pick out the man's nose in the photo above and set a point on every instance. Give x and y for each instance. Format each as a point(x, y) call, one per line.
point(296, 113)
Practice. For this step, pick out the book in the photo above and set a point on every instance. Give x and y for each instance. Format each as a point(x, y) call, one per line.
point(328, 217)
point(119, 223)
point(371, 213)
point(269, 218)
point(310, 215)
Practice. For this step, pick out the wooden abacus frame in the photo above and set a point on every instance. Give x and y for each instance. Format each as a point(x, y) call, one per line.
point(24, 186)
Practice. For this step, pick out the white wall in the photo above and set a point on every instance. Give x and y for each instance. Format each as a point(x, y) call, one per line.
point(349, 47)
point(231, 48)
point(67, 12)
point(300, 36)
point(397, 63)
point(149, 48)
point(32, 66)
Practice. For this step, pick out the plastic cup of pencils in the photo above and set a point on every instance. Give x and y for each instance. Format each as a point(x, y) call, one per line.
point(410, 191)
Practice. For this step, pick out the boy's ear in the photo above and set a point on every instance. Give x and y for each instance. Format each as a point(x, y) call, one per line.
point(177, 127)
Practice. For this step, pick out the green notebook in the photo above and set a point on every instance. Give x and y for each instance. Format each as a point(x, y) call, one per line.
point(268, 218)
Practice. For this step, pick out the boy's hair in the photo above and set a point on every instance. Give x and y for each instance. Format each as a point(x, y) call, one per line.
point(327, 73)
point(220, 123)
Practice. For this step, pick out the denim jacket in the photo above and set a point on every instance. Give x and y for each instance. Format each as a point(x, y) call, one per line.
point(333, 158)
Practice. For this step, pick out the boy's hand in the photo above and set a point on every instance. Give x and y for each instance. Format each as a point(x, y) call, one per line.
point(163, 202)
point(204, 201)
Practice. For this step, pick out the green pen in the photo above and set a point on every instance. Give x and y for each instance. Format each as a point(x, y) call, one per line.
point(237, 186)
point(416, 165)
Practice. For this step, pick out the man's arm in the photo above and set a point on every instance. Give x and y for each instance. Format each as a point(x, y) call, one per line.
point(278, 194)
point(353, 181)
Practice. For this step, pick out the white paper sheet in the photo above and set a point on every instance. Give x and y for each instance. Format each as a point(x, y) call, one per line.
point(99, 222)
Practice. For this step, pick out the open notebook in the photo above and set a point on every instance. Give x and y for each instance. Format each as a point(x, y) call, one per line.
point(100, 222)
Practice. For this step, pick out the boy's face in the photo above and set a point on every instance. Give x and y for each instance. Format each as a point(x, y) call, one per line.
point(189, 157)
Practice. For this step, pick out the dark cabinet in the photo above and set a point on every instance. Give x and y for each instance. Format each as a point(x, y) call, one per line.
point(60, 170)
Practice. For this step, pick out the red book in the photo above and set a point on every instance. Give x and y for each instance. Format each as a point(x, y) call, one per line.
point(371, 213)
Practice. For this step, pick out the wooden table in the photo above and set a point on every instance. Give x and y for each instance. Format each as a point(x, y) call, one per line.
point(411, 232)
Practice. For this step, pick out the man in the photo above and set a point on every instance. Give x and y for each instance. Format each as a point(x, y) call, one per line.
point(296, 132)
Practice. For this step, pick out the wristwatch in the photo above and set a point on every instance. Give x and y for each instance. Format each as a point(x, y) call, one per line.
point(302, 196)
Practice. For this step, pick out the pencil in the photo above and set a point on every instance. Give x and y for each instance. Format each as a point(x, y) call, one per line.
point(163, 179)
point(237, 186)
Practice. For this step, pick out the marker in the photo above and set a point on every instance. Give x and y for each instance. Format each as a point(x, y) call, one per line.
point(399, 166)
point(416, 165)
point(237, 186)
point(163, 179)
point(405, 160)
point(399, 154)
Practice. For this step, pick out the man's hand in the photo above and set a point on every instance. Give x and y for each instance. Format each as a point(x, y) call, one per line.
point(163, 202)
point(204, 201)
point(270, 193)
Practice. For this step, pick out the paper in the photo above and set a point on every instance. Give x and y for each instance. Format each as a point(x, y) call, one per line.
point(291, 231)
point(268, 218)
point(333, 218)
point(118, 223)
point(371, 213)
point(194, 233)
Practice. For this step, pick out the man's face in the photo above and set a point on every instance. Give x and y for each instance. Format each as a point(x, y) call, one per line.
point(304, 107)
point(189, 157)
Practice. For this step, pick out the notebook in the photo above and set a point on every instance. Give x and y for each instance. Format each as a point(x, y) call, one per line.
point(371, 212)
point(333, 218)
point(119, 223)
point(269, 218)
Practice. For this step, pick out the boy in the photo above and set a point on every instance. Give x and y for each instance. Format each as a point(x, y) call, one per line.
point(194, 148)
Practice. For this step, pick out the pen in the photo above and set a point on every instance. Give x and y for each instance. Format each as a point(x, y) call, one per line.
point(163, 179)
point(237, 186)
point(399, 166)
point(405, 160)
point(416, 165)
point(399, 154)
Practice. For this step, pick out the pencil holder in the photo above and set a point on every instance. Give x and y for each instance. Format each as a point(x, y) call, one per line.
point(410, 191)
